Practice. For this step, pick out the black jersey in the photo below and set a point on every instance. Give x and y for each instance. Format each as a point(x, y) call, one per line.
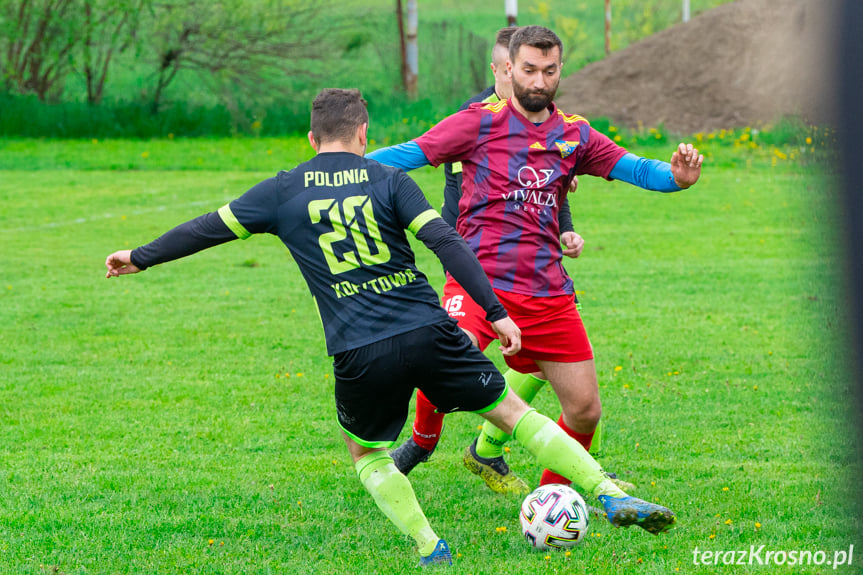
point(344, 218)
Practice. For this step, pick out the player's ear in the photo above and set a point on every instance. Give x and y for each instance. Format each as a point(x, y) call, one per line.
point(312, 141)
point(362, 134)
point(508, 68)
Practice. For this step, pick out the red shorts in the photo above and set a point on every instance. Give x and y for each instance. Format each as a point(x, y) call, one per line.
point(551, 328)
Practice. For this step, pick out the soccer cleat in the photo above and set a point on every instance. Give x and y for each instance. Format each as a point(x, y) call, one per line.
point(495, 472)
point(408, 455)
point(441, 554)
point(626, 511)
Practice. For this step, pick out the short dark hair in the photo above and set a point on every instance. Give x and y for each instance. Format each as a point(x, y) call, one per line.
point(535, 37)
point(336, 115)
point(504, 35)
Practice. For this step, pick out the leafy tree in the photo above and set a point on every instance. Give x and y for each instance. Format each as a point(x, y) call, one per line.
point(239, 46)
point(37, 40)
point(109, 28)
point(43, 41)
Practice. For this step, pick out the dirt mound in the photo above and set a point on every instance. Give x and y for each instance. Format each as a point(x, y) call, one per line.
point(741, 64)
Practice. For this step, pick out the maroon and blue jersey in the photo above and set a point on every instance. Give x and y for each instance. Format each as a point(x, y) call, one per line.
point(515, 177)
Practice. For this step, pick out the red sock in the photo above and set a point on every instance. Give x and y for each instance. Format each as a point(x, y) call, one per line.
point(549, 476)
point(428, 423)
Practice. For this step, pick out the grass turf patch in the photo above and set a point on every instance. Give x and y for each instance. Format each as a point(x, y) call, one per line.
point(181, 420)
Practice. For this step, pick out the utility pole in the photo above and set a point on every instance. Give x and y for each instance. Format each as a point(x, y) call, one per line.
point(412, 50)
point(607, 27)
point(511, 12)
point(403, 61)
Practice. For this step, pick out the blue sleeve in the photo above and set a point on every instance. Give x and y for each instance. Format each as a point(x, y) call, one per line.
point(648, 174)
point(407, 156)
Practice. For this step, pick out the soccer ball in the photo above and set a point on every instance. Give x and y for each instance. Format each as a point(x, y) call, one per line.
point(553, 517)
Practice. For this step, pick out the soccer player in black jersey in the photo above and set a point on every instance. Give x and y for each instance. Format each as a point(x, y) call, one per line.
point(343, 217)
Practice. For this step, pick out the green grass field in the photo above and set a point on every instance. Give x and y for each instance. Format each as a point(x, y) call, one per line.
point(181, 420)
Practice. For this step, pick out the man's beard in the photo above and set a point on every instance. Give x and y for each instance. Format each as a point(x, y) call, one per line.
point(533, 101)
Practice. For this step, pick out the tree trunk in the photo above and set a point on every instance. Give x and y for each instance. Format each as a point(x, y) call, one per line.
point(403, 51)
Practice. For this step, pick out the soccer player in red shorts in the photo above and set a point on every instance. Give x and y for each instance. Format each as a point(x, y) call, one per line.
point(519, 158)
point(428, 424)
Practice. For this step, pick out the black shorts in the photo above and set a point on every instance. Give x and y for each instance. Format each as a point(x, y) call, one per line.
point(374, 383)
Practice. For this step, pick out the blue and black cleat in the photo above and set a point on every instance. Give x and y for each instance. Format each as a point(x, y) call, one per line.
point(626, 511)
point(440, 555)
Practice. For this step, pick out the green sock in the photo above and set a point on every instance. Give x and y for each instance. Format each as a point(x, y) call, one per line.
point(557, 451)
point(395, 497)
point(596, 442)
point(491, 438)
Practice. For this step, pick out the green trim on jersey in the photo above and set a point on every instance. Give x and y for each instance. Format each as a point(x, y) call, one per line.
point(363, 442)
point(495, 403)
point(233, 223)
point(421, 220)
point(318, 309)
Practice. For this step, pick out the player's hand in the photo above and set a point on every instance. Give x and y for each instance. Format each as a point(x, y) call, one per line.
point(686, 165)
point(120, 263)
point(573, 244)
point(573, 185)
point(509, 334)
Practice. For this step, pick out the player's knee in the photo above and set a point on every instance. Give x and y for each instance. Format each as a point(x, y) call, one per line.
point(583, 417)
point(507, 413)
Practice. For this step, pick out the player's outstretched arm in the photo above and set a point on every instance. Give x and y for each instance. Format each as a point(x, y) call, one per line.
point(184, 240)
point(120, 263)
point(509, 334)
point(407, 156)
point(686, 165)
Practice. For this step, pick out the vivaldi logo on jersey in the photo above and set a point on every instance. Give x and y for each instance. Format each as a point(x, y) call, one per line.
point(531, 192)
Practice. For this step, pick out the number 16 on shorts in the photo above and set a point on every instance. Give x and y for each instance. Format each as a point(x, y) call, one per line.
point(453, 306)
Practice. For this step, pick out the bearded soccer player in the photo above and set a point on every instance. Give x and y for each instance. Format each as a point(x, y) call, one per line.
point(428, 422)
point(343, 217)
point(519, 157)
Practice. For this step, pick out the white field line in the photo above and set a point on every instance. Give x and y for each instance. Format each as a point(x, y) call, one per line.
point(107, 216)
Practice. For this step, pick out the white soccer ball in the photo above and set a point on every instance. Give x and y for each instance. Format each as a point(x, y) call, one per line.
point(553, 517)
